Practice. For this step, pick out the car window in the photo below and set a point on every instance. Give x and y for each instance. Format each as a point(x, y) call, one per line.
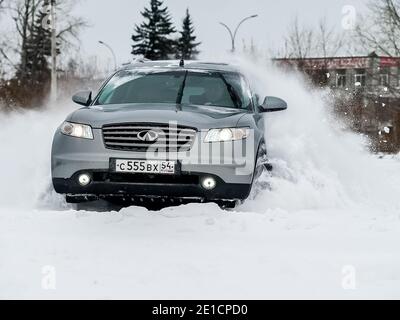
point(206, 90)
point(187, 87)
point(241, 86)
point(138, 87)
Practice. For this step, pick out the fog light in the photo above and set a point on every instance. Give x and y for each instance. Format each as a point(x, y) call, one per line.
point(209, 183)
point(84, 179)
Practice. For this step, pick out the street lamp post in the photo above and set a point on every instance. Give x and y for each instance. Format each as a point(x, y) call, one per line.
point(112, 52)
point(53, 85)
point(233, 34)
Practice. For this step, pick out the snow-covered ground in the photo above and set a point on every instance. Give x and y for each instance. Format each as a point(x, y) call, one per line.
point(328, 228)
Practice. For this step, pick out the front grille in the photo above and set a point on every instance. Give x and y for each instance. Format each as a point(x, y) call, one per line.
point(132, 137)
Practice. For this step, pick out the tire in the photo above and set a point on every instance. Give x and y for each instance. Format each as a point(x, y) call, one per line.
point(228, 205)
point(261, 162)
point(262, 166)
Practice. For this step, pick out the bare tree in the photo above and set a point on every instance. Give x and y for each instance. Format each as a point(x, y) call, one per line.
point(380, 28)
point(328, 41)
point(299, 41)
point(30, 44)
point(24, 18)
point(69, 26)
point(25, 13)
point(303, 42)
point(2, 41)
point(380, 33)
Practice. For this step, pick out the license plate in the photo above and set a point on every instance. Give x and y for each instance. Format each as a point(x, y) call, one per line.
point(145, 166)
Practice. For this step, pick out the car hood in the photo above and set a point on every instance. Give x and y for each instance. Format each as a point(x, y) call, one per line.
point(200, 117)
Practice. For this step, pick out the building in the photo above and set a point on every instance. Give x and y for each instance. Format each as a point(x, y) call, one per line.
point(367, 90)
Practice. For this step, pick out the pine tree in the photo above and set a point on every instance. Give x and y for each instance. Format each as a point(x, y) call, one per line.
point(152, 37)
point(186, 44)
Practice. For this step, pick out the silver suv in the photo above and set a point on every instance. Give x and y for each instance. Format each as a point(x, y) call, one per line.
point(164, 131)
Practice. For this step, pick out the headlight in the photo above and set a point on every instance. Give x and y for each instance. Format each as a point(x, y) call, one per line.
point(77, 130)
point(227, 134)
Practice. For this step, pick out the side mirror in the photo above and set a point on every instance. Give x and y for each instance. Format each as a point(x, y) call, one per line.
point(273, 104)
point(83, 98)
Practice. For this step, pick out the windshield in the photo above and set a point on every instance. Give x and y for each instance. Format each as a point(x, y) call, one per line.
point(176, 87)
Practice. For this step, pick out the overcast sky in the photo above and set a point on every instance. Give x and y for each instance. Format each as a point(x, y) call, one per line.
point(113, 21)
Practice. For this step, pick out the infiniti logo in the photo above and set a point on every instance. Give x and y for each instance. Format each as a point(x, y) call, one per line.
point(148, 135)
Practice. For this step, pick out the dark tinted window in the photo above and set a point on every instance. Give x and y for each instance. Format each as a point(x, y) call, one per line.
point(207, 90)
point(138, 87)
point(199, 88)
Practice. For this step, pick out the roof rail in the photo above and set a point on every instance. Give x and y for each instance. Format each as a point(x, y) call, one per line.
point(141, 60)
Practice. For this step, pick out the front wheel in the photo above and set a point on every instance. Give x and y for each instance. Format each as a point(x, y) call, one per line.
point(261, 168)
point(228, 205)
point(261, 162)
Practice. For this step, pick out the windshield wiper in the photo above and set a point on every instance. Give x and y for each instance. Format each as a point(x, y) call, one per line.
point(232, 92)
point(180, 93)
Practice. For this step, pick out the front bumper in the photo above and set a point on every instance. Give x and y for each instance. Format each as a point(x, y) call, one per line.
point(107, 185)
point(72, 156)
